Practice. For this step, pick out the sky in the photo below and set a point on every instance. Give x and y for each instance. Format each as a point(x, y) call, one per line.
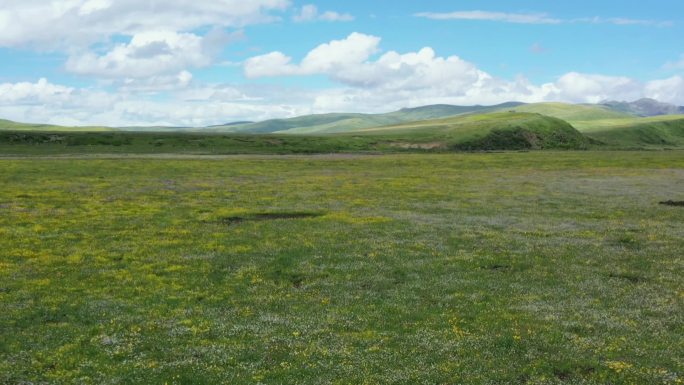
point(207, 62)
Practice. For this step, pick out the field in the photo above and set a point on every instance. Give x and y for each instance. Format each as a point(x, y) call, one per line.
point(509, 268)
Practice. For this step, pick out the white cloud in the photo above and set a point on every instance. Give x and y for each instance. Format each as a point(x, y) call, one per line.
point(152, 54)
point(147, 54)
point(519, 18)
point(666, 90)
point(45, 102)
point(152, 61)
point(536, 18)
point(202, 105)
point(336, 55)
point(675, 65)
point(64, 24)
point(623, 21)
point(587, 88)
point(310, 12)
point(367, 80)
point(396, 80)
point(25, 93)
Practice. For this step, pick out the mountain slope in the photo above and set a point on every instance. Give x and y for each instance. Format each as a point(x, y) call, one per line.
point(646, 133)
point(8, 125)
point(346, 122)
point(490, 131)
point(644, 107)
point(573, 113)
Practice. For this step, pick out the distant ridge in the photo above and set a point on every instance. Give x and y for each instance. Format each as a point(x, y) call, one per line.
point(232, 124)
point(348, 122)
point(644, 107)
point(654, 118)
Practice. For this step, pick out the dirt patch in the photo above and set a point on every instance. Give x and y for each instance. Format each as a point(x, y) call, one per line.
point(260, 217)
point(672, 203)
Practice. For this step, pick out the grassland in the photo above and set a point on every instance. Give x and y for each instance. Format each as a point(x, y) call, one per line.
point(513, 268)
point(494, 131)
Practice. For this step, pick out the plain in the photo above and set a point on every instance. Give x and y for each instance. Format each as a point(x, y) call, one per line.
point(533, 268)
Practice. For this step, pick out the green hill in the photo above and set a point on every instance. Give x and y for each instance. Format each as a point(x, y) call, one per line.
point(8, 125)
point(490, 131)
point(573, 113)
point(348, 122)
point(614, 128)
point(645, 133)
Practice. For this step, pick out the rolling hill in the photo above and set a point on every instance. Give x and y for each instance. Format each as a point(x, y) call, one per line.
point(644, 107)
point(573, 113)
point(435, 127)
point(646, 133)
point(8, 125)
point(489, 131)
point(347, 122)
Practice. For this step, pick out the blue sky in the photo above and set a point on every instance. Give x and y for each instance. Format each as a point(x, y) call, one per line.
point(180, 62)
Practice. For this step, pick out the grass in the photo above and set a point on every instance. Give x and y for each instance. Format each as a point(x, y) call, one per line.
point(653, 133)
point(513, 268)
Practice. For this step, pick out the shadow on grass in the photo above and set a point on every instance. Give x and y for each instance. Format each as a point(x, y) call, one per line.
point(269, 216)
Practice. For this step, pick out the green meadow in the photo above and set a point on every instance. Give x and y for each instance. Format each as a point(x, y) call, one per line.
point(500, 268)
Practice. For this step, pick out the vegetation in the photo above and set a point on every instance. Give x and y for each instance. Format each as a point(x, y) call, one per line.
point(498, 131)
point(573, 113)
point(508, 126)
point(659, 132)
point(511, 268)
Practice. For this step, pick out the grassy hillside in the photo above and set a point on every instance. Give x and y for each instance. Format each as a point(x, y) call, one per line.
point(8, 125)
point(275, 125)
point(492, 131)
point(657, 132)
point(603, 124)
point(344, 122)
point(573, 113)
point(616, 129)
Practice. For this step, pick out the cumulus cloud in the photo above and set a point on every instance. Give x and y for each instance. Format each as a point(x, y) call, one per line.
point(310, 12)
point(152, 54)
point(395, 80)
point(348, 61)
point(202, 105)
point(587, 88)
point(366, 78)
point(45, 102)
point(336, 55)
point(666, 90)
point(26, 93)
point(62, 24)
